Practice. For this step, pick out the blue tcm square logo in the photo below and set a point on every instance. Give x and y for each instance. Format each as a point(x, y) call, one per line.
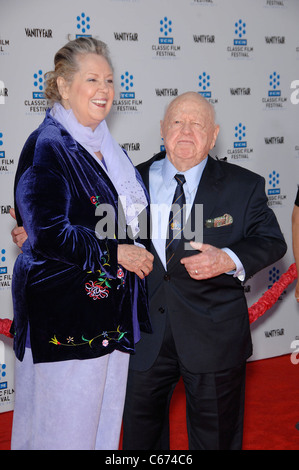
point(166, 29)
point(83, 26)
point(240, 31)
point(204, 84)
point(38, 83)
point(274, 182)
point(127, 85)
point(274, 82)
point(240, 135)
point(2, 153)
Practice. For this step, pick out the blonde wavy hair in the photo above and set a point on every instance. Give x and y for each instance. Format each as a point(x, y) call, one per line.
point(66, 64)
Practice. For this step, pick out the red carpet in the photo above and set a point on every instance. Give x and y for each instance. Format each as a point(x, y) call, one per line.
point(271, 414)
point(271, 407)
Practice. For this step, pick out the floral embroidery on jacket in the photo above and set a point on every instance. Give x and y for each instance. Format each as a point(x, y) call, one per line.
point(99, 289)
point(106, 337)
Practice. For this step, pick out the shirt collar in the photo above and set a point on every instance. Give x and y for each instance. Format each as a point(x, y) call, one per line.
point(192, 176)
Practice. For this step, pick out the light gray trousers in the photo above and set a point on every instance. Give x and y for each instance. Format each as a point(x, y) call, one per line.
point(70, 405)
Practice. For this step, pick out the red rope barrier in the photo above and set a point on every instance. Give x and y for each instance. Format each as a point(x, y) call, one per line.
point(258, 309)
point(269, 298)
point(5, 325)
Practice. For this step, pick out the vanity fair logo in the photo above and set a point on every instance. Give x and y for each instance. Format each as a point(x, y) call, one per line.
point(274, 140)
point(131, 146)
point(161, 92)
point(127, 103)
point(240, 150)
point(39, 33)
point(275, 39)
point(126, 37)
point(37, 104)
point(240, 91)
point(204, 38)
point(166, 46)
point(6, 164)
point(240, 48)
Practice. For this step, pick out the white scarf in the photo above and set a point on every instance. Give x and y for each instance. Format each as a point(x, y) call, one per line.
point(119, 167)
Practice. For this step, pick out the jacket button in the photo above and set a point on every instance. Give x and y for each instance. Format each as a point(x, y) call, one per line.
point(166, 277)
point(161, 309)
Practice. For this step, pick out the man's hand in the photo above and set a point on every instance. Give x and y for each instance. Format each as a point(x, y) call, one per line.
point(135, 259)
point(210, 262)
point(19, 236)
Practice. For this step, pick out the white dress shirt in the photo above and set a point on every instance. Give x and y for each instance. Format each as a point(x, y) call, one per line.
point(162, 186)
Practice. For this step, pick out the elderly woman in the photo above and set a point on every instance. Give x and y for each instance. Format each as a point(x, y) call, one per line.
point(79, 284)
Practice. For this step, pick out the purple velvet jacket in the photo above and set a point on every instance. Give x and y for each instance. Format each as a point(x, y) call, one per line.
point(70, 296)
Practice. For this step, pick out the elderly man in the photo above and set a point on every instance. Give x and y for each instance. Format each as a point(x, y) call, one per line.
point(197, 304)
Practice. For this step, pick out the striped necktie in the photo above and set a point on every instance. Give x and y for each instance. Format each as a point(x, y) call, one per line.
point(176, 223)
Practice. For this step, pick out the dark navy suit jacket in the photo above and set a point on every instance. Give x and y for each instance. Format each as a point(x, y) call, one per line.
point(209, 318)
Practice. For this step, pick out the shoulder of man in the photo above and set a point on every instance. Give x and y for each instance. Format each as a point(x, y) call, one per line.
point(234, 170)
point(144, 166)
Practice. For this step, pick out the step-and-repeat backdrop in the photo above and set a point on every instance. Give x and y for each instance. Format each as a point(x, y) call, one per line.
point(242, 55)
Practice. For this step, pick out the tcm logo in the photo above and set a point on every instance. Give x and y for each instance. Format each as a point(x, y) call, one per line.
point(273, 276)
point(3, 269)
point(240, 31)
point(2, 153)
point(165, 30)
point(273, 182)
point(127, 85)
point(38, 83)
point(274, 83)
point(204, 83)
point(2, 366)
point(240, 135)
point(83, 26)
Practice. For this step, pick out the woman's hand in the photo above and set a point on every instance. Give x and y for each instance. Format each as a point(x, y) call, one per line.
point(19, 236)
point(135, 259)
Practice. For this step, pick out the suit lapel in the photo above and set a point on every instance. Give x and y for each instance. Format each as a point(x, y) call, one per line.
point(210, 187)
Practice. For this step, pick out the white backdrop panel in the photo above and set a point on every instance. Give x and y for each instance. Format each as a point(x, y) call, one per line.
point(247, 76)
